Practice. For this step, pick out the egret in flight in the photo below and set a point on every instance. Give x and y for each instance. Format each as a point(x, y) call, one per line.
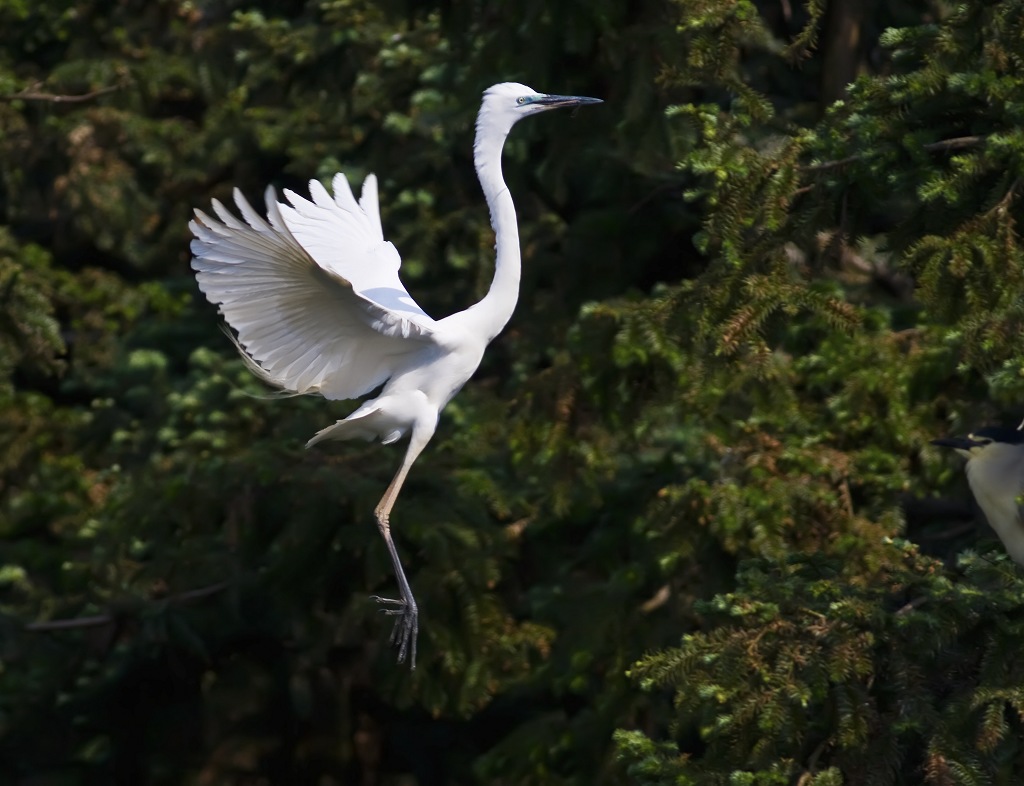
point(314, 295)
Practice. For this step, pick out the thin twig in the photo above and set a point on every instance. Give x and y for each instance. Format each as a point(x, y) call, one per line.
point(78, 622)
point(31, 95)
point(826, 165)
point(949, 532)
point(98, 620)
point(202, 592)
point(672, 185)
point(909, 607)
point(812, 764)
point(943, 145)
point(957, 143)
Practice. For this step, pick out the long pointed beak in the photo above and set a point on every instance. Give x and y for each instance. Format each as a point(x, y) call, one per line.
point(957, 443)
point(554, 102)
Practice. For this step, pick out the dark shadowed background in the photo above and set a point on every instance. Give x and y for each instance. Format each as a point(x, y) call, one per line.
point(779, 259)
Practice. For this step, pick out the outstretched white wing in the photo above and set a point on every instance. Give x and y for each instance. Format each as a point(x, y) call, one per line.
point(332, 319)
point(373, 271)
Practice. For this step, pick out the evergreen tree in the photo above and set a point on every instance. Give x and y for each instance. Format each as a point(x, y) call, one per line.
point(750, 298)
point(865, 264)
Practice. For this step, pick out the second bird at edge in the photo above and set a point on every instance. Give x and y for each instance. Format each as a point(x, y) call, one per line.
point(995, 473)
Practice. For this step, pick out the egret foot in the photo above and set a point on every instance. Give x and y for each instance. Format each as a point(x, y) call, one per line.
point(407, 625)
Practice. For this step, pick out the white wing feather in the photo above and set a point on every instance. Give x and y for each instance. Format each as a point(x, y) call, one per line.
point(305, 324)
point(320, 224)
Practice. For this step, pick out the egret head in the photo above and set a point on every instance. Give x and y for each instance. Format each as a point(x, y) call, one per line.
point(984, 443)
point(508, 102)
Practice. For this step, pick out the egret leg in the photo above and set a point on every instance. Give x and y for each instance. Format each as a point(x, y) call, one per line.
point(406, 628)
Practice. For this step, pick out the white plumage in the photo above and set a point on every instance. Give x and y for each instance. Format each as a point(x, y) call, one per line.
point(316, 317)
point(315, 298)
point(995, 473)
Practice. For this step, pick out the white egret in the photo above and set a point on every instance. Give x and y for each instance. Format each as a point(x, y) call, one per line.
point(315, 298)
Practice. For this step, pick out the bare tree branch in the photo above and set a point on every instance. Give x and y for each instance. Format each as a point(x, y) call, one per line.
point(909, 607)
point(942, 146)
point(78, 622)
point(957, 143)
point(98, 620)
point(826, 165)
point(31, 95)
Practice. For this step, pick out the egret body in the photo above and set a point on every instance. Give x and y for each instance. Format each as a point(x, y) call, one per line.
point(995, 473)
point(314, 294)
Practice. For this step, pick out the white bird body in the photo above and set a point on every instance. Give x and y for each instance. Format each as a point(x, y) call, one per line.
point(314, 294)
point(995, 473)
point(996, 478)
point(422, 384)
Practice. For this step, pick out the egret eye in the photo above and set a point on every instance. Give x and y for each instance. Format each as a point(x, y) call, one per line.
point(521, 100)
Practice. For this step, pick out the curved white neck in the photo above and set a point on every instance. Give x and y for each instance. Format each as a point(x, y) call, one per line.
point(494, 311)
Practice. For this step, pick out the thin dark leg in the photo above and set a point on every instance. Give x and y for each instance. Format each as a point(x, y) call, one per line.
point(407, 626)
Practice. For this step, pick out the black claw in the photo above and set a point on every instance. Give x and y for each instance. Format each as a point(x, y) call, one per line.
point(406, 628)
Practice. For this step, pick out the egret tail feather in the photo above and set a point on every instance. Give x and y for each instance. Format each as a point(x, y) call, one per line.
point(356, 426)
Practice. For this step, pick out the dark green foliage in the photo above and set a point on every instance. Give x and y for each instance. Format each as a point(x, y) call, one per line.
point(746, 309)
point(810, 672)
point(842, 656)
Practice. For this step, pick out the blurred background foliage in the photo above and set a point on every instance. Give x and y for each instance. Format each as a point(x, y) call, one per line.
point(682, 527)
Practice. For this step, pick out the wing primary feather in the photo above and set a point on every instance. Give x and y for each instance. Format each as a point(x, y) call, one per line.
point(368, 201)
point(254, 219)
point(297, 289)
point(320, 196)
point(264, 376)
point(343, 194)
point(225, 217)
point(274, 214)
